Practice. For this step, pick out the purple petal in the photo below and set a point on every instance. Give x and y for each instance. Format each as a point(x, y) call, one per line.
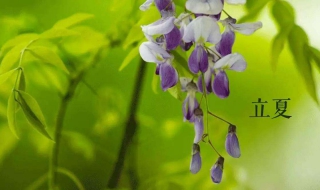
point(195, 164)
point(168, 76)
point(198, 125)
point(207, 80)
point(221, 85)
point(173, 38)
point(157, 69)
point(188, 107)
point(224, 47)
point(232, 143)
point(186, 46)
point(163, 5)
point(198, 60)
point(217, 170)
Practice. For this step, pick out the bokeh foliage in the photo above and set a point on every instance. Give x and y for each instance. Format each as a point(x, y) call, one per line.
point(96, 117)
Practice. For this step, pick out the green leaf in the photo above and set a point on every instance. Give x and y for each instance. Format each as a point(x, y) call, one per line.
point(11, 58)
point(33, 113)
point(283, 14)
point(277, 46)
point(73, 20)
point(17, 40)
point(11, 114)
point(48, 56)
point(299, 46)
point(57, 33)
point(131, 55)
point(22, 82)
point(4, 77)
point(135, 35)
point(315, 55)
point(254, 8)
point(175, 91)
point(155, 83)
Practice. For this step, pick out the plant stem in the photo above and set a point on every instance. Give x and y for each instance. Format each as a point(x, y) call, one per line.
point(53, 166)
point(130, 130)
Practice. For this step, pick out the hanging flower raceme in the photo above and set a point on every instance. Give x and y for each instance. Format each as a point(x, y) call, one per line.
point(217, 170)
point(232, 143)
point(224, 47)
point(151, 52)
point(190, 103)
point(220, 83)
point(195, 164)
point(197, 33)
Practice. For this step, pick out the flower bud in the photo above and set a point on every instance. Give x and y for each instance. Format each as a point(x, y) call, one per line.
point(217, 170)
point(195, 164)
point(232, 143)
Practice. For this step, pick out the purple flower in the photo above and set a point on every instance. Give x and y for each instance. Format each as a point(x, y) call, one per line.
point(195, 164)
point(151, 52)
point(232, 143)
point(198, 125)
point(173, 38)
point(195, 32)
point(220, 84)
point(217, 170)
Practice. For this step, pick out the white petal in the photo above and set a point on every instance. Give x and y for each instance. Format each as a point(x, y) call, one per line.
point(210, 7)
point(146, 5)
point(236, 2)
point(233, 61)
point(196, 31)
point(151, 52)
point(246, 28)
point(162, 26)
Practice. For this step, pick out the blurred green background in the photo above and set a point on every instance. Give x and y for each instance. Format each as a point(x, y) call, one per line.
point(276, 153)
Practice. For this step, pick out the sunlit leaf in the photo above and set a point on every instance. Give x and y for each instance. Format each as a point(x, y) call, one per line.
point(48, 56)
point(11, 114)
point(11, 58)
point(73, 20)
point(131, 55)
point(8, 143)
point(135, 35)
point(33, 113)
point(17, 40)
point(57, 33)
point(277, 47)
point(4, 77)
point(299, 44)
point(176, 91)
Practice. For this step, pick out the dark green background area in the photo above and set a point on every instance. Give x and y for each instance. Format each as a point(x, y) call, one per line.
point(275, 153)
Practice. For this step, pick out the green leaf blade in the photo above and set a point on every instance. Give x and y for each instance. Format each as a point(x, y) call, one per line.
point(73, 20)
point(131, 55)
point(33, 112)
point(4, 77)
point(11, 114)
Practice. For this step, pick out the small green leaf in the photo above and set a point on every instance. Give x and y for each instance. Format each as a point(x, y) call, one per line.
point(175, 91)
point(11, 58)
point(22, 82)
point(73, 20)
point(48, 56)
point(155, 83)
point(315, 55)
point(283, 14)
point(57, 33)
point(131, 55)
point(299, 46)
point(17, 40)
point(254, 8)
point(277, 47)
point(33, 113)
point(11, 114)
point(135, 35)
point(4, 77)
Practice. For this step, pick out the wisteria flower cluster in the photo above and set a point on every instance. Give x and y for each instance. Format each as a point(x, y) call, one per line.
point(197, 29)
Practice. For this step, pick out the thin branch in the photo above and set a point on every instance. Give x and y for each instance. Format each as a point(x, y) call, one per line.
point(130, 130)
